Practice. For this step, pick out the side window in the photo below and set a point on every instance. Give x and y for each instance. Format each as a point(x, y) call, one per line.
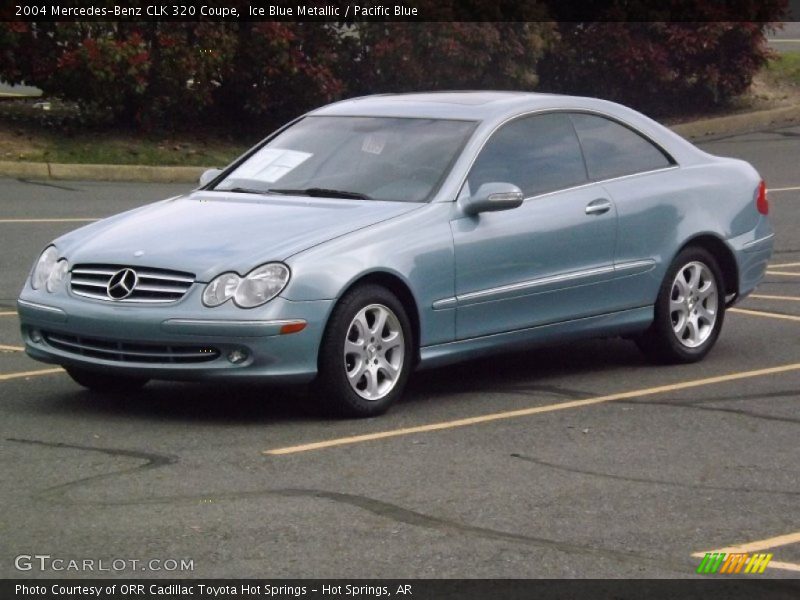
point(613, 150)
point(538, 154)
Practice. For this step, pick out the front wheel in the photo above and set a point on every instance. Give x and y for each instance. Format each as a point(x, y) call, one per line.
point(105, 382)
point(689, 310)
point(366, 353)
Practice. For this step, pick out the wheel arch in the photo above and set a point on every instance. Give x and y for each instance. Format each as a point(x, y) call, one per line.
point(723, 255)
point(402, 291)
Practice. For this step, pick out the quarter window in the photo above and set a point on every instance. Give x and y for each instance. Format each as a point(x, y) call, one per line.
point(613, 150)
point(538, 154)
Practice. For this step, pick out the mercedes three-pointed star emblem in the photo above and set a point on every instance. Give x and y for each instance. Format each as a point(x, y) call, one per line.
point(122, 284)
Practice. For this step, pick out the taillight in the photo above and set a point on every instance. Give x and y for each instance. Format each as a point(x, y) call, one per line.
point(762, 205)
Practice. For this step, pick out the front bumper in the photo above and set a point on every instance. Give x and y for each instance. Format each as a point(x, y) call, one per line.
point(181, 340)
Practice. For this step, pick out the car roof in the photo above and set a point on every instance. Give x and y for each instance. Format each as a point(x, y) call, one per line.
point(468, 105)
point(492, 108)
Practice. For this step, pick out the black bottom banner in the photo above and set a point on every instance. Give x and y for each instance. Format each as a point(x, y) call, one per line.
point(412, 589)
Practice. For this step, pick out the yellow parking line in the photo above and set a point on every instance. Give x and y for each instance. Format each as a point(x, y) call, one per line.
point(512, 414)
point(784, 566)
point(8, 313)
point(794, 264)
point(4, 348)
point(770, 297)
point(761, 313)
point(784, 189)
point(7, 376)
point(759, 545)
point(784, 273)
point(80, 220)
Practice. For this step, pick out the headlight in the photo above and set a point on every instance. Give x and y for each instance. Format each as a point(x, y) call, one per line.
point(259, 286)
point(221, 289)
point(57, 275)
point(44, 267)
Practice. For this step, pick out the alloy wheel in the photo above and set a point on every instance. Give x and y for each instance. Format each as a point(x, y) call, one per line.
point(374, 351)
point(693, 304)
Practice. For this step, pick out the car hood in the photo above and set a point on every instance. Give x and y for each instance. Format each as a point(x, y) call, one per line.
point(207, 233)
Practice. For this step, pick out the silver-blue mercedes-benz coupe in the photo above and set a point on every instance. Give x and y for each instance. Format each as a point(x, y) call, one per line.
point(378, 235)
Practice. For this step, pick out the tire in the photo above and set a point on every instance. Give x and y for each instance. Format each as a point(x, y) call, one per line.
point(105, 382)
point(363, 370)
point(689, 310)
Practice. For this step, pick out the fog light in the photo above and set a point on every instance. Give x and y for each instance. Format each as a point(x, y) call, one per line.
point(237, 356)
point(36, 336)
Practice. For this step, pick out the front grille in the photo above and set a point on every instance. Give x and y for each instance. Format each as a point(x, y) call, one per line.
point(129, 351)
point(152, 285)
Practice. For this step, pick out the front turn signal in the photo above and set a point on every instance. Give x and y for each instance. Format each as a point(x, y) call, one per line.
point(293, 327)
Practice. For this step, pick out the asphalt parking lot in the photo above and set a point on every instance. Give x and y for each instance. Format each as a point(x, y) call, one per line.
point(785, 39)
point(573, 461)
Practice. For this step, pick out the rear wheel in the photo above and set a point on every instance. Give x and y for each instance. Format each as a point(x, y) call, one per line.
point(689, 310)
point(366, 353)
point(105, 382)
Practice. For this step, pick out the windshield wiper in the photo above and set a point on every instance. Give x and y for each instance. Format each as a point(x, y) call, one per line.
point(241, 190)
point(321, 193)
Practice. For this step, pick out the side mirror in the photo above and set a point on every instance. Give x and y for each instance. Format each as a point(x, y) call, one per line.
point(493, 196)
point(208, 176)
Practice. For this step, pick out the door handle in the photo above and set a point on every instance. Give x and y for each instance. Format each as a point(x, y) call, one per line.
point(598, 207)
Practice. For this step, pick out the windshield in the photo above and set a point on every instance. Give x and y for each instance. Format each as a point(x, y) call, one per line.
point(374, 158)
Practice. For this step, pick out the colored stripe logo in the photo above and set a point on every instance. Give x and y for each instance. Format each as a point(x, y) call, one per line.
point(732, 563)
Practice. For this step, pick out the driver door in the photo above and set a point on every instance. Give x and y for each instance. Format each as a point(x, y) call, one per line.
point(548, 260)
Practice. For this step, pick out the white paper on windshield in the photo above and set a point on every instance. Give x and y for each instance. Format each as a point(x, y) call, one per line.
point(373, 144)
point(270, 164)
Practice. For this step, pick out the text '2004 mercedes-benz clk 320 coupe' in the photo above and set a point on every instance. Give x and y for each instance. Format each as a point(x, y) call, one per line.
point(377, 235)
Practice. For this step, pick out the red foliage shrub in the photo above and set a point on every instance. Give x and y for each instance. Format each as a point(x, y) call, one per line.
point(280, 70)
point(159, 74)
point(397, 57)
point(662, 68)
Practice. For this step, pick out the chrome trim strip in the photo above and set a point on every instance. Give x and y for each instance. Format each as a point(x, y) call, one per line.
point(534, 283)
point(105, 298)
point(88, 283)
point(445, 303)
point(79, 271)
point(164, 289)
point(600, 182)
point(758, 241)
point(40, 306)
point(636, 265)
point(277, 322)
point(144, 274)
point(633, 264)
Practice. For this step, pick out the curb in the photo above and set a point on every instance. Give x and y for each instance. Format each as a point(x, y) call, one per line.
point(736, 124)
point(82, 172)
point(696, 130)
